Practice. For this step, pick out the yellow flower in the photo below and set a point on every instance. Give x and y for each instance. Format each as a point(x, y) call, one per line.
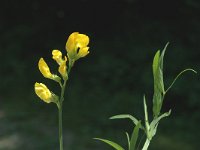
point(63, 69)
point(43, 92)
point(76, 45)
point(44, 69)
point(57, 56)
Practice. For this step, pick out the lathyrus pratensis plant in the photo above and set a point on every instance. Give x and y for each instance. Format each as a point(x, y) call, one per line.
point(76, 47)
point(148, 127)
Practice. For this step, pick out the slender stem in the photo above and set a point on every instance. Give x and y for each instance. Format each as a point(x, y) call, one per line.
point(60, 103)
point(60, 126)
point(71, 63)
point(60, 114)
point(146, 144)
point(63, 91)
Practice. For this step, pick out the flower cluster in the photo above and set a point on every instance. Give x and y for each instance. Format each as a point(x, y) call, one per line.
point(76, 47)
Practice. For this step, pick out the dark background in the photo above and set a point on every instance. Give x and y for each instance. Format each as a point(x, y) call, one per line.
point(124, 36)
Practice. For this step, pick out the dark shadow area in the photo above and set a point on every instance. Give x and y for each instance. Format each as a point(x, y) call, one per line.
point(124, 36)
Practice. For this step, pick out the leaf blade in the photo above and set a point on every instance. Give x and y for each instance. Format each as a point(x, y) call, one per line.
point(113, 144)
point(134, 136)
point(125, 116)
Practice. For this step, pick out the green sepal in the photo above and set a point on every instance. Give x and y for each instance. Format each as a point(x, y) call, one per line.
point(113, 144)
point(54, 98)
point(56, 78)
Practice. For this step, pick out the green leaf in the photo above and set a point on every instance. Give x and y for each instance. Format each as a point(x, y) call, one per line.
point(159, 90)
point(162, 56)
point(134, 136)
point(157, 75)
point(156, 62)
point(145, 110)
point(154, 123)
point(157, 103)
point(146, 117)
point(128, 139)
point(181, 73)
point(125, 116)
point(113, 144)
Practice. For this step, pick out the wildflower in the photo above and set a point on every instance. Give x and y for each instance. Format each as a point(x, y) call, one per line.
point(57, 56)
point(44, 69)
point(43, 92)
point(63, 69)
point(76, 46)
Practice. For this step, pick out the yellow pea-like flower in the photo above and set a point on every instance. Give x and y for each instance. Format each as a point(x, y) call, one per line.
point(44, 69)
point(43, 92)
point(83, 52)
point(76, 45)
point(63, 70)
point(57, 56)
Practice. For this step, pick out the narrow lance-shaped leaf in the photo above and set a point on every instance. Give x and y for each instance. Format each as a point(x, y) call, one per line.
point(181, 73)
point(162, 56)
point(159, 90)
point(125, 116)
point(162, 88)
point(156, 62)
point(113, 144)
point(134, 136)
point(128, 140)
point(154, 123)
point(156, 74)
point(146, 118)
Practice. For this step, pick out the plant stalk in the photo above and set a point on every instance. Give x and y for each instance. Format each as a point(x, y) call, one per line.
point(60, 103)
point(60, 115)
point(60, 126)
point(146, 144)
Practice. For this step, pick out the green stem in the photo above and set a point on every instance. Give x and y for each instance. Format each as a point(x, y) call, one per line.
point(60, 114)
point(146, 144)
point(60, 103)
point(71, 63)
point(60, 126)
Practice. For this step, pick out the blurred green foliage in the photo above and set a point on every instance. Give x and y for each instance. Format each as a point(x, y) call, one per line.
point(124, 35)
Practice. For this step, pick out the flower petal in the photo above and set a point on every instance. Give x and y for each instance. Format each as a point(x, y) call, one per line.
point(44, 69)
